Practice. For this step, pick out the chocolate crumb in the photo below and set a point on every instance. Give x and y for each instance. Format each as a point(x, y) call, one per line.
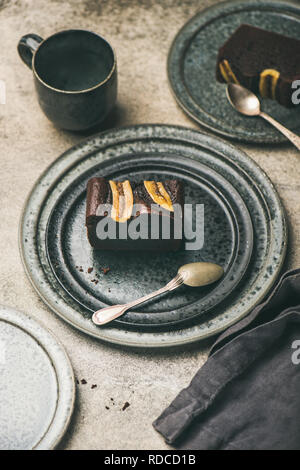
point(126, 405)
point(83, 381)
point(107, 407)
point(112, 399)
point(93, 386)
point(90, 270)
point(105, 270)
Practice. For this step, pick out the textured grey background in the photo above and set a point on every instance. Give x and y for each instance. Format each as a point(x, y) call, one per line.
point(141, 32)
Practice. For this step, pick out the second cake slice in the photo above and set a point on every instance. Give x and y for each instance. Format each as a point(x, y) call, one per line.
point(263, 61)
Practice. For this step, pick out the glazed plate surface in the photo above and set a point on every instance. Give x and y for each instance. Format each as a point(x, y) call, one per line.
point(227, 240)
point(37, 384)
point(232, 187)
point(192, 68)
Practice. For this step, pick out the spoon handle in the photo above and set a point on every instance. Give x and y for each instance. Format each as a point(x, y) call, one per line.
point(295, 139)
point(107, 314)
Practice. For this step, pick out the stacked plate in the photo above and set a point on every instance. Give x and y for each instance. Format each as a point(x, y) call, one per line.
point(192, 67)
point(244, 231)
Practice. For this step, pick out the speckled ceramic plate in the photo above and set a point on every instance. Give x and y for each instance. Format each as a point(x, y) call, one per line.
point(192, 64)
point(232, 164)
point(228, 241)
point(37, 385)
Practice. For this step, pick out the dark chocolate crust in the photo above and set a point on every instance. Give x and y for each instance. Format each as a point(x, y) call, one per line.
point(99, 195)
point(251, 50)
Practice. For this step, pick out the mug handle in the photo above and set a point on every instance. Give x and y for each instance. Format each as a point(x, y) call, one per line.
point(27, 46)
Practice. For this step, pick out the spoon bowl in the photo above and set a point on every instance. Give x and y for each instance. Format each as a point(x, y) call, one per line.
point(200, 274)
point(243, 100)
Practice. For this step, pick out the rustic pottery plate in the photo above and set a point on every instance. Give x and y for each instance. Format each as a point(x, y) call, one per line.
point(37, 384)
point(192, 64)
point(149, 142)
point(228, 241)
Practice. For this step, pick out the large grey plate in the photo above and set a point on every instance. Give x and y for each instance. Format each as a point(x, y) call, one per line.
point(239, 170)
point(228, 241)
point(36, 387)
point(192, 63)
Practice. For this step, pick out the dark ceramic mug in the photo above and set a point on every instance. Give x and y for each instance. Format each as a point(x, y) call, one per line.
point(75, 75)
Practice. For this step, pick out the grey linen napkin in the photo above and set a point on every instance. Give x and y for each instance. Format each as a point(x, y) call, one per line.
point(247, 394)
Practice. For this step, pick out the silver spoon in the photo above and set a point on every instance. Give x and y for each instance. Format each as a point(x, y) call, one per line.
point(247, 103)
point(193, 274)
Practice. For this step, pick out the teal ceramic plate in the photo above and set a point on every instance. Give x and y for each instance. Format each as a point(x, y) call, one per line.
point(228, 241)
point(192, 64)
point(37, 385)
point(167, 143)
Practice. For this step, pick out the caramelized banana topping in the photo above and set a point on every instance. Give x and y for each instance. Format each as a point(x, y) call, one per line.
point(159, 195)
point(227, 72)
point(122, 200)
point(264, 90)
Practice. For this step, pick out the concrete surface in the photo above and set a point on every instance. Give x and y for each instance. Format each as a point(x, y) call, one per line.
point(141, 32)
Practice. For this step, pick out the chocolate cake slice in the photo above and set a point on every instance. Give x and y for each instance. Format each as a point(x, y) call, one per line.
point(146, 215)
point(265, 62)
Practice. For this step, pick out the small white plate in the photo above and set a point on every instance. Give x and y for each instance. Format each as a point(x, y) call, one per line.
point(37, 387)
